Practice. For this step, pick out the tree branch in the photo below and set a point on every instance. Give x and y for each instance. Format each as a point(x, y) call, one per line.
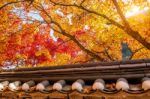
point(60, 44)
point(105, 52)
point(77, 42)
point(90, 11)
point(82, 2)
point(108, 55)
point(7, 4)
point(134, 52)
point(121, 14)
point(13, 2)
point(31, 2)
point(63, 32)
point(126, 28)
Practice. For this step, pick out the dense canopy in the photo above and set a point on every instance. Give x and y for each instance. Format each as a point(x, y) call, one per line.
point(56, 32)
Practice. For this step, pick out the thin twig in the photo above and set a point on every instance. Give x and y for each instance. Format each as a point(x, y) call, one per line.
point(134, 52)
point(126, 28)
point(9, 3)
point(63, 32)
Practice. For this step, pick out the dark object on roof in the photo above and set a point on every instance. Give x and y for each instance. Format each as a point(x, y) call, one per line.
point(78, 81)
point(126, 51)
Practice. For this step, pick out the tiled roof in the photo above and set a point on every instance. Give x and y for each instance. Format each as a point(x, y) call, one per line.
point(79, 85)
point(78, 89)
point(130, 77)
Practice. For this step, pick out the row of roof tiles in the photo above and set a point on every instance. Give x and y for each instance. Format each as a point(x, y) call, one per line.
point(79, 85)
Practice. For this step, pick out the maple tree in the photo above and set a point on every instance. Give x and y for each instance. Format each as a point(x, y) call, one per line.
point(55, 32)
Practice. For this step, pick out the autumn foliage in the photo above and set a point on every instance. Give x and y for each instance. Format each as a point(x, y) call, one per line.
point(56, 32)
